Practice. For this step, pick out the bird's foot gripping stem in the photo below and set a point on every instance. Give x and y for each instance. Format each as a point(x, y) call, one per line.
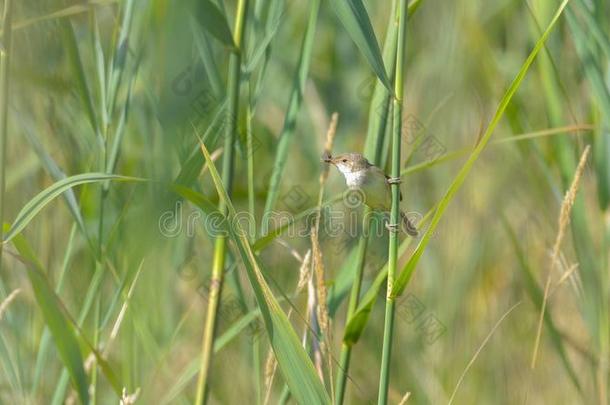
point(394, 180)
point(392, 227)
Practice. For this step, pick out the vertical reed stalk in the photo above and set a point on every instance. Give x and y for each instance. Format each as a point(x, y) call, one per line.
point(346, 350)
point(227, 178)
point(256, 350)
point(4, 84)
point(250, 164)
point(373, 149)
point(384, 378)
point(318, 263)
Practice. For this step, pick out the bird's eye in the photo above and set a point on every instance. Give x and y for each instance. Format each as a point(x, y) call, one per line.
point(344, 160)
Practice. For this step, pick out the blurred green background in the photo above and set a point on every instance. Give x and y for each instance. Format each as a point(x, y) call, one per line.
point(491, 251)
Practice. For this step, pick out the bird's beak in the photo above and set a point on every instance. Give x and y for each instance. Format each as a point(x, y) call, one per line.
point(326, 158)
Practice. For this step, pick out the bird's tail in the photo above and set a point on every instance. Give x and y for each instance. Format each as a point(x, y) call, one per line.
point(408, 225)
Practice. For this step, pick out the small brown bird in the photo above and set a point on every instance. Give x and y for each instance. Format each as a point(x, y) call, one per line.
point(360, 174)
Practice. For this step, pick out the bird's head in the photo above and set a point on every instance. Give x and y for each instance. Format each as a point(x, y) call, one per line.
point(348, 162)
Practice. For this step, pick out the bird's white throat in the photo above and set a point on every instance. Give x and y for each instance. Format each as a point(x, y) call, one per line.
point(354, 179)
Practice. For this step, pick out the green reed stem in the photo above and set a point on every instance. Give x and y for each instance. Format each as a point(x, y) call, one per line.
point(4, 85)
point(250, 164)
point(256, 350)
point(346, 350)
point(220, 246)
point(384, 378)
point(373, 150)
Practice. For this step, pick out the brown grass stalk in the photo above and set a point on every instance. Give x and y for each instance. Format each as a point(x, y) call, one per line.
point(564, 220)
point(7, 301)
point(318, 263)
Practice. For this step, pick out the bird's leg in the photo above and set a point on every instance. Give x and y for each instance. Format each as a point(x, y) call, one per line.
point(392, 227)
point(394, 180)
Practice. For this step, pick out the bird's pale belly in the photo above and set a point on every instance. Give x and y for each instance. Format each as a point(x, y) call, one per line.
point(374, 186)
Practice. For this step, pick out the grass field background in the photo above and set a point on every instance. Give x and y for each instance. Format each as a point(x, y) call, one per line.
point(106, 279)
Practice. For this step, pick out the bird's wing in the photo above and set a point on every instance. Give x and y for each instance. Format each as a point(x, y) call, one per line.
point(373, 167)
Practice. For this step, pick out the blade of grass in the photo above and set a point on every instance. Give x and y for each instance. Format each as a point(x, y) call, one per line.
point(478, 351)
point(274, 16)
point(294, 105)
point(45, 340)
point(276, 13)
point(595, 28)
point(450, 156)
point(54, 171)
point(100, 67)
point(9, 362)
point(192, 167)
point(74, 56)
point(91, 297)
point(355, 19)
point(213, 20)
point(256, 349)
point(206, 55)
point(117, 64)
point(250, 165)
point(36, 204)
point(117, 139)
point(113, 158)
point(63, 333)
point(594, 73)
point(62, 13)
point(296, 367)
